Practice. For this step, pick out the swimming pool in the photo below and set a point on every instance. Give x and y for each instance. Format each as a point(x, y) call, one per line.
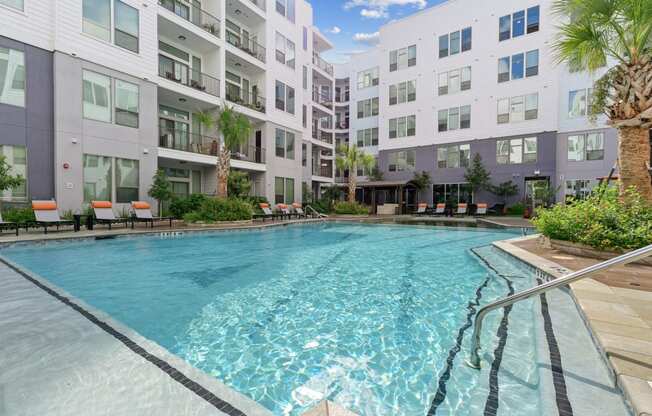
point(375, 318)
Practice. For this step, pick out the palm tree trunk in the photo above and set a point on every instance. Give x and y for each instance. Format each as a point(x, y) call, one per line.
point(634, 160)
point(223, 166)
point(352, 186)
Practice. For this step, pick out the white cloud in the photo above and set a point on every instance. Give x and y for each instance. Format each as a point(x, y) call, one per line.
point(373, 13)
point(367, 38)
point(378, 9)
point(334, 30)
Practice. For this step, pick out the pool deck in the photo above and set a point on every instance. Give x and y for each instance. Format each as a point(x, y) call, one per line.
point(617, 306)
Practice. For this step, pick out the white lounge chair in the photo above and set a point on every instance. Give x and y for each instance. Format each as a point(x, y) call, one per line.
point(47, 215)
point(143, 213)
point(103, 213)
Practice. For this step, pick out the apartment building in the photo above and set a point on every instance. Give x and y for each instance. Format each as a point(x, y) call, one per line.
point(113, 90)
point(465, 78)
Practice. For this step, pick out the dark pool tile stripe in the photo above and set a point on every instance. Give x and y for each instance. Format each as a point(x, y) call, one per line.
point(564, 406)
point(172, 372)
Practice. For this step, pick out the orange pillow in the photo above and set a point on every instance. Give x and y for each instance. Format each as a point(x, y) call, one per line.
point(461, 205)
point(441, 205)
point(282, 206)
point(140, 205)
point(482, 205)
point(44, 205)
point(264, 205)
point(101, 204)
point(296, 205)
point(423, 205)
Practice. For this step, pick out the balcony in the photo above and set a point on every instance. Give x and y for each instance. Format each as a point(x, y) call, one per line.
point(249, 154)
point(259, 3)
point(247, 45)
point(342, 97)
point(194, 15)
point(247, 99)
point(323, 171)
point(321, 64)
point(183, 74)
point(342, 126)
point(322, 136)
point(321, 98)
point(188, 142)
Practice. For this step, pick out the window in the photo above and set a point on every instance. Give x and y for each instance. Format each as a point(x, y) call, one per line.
point(580, 103)
point(517, 66)
point(579, 188)
point(503, 69)
point(126, 178)
point(304, 116)
point(465, 117)
point(12, 77)
point(516, 151)
point(402, 127)
point(588, 146)
point(533, 19)
point(454, 81)
point(284, 97)
point(286, 8)
point(367, 137)
point(532, 63)
point(368, 78)
point(453, 193)
point(504, 27)
point(453, 43)
point(126, 103)
point(518, 23)
point(519, 108)
point(284, 144)
point(283, 190)
point(97, 96)
point(368, 108)
point(96, 21)
point(126, 26)
point(304, 154)
point(454, 156)
point(305, 38)
point(16, 158)
point(403, 92)
point(97, 173)
point(454, 118)
point(285, 51)
point(402, 58)
point(16, 4)
point(514, 25)
point(532, 106)
point(305, 78)
point(402, 161)
point(97, 18)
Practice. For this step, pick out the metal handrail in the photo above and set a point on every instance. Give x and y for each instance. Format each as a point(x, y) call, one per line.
point(474, 360)
point(319, 214)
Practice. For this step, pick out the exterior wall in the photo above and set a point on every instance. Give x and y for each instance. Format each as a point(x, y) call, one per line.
point(33, 26)
point(76, 136)
point(32, 126)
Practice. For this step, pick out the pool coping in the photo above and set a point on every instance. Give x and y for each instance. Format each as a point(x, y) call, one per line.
point(636, 391)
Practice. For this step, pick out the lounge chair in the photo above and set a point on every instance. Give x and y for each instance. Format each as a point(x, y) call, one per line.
point(481, 209)
point(8, 225)
point(497, 209)
point(285, 211)
point(47, 215)
point(298, 210)
point(103, 214)
point(440, 209)
point(142, 212)
point(267, 212)
point(461, 209)
point(422, 209)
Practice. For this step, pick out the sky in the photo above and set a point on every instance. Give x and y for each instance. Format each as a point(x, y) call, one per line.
point(352, 25)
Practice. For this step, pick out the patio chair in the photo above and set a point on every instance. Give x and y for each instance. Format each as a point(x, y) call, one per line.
point(285, 210)
point(47, 215)
point(298, 210)
point(267, 212)
point(142, 212)
point(497, 209)
point(481, 209)
point(103, 214)
point(461, 209)
point(4, 225)
point(440, 209)
point(422, 209)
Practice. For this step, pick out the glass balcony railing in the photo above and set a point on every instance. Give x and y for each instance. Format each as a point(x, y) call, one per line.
point(194, 15)
point(323, 136)
point(245, 98)
point(324, 171)
point(321, 64)
point(188, 142)
point(247, 45)
point(324, 99)
point(249, 154)
point(342, 97)
point(183, 74)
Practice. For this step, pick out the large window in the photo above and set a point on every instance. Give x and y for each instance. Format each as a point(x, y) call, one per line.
point(516, 151)
point(453, 156)
point(367, 137)
point(16, 4)
point(452, 193)
point(286, 8)
point(453, 43)
point(126, 180)
point(97, 21)
point(284, 97)
point(368, 108)
point(16, 158)
point(97, 96)
point(402, 58)
point(98, 178)
point(522, 65)
point(403, 127)
point(285, 51)
point(515, 25)
point(12, 77)
point(402, 161)
point(454, 81)
point(368, 78)
point(284, 144)
point(126, 103)
point(579, 188)
point(454, 118)
point(580, 103)
point(283, 190)
point(519, 108)
point(403, 92)
point(588, 146)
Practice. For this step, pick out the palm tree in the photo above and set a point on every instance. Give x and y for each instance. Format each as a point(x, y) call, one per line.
point(595, 33)
point(350, 158)
point(235, 129)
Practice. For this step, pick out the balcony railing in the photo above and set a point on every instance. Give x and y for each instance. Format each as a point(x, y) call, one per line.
point(188, 142)
point(342, 97)
point(250, 154)
point(245, 98)
point(322, 136)
point(324, 171)
point(183, 74)
point(342, 126)
point(324, 99)
point(259, 3)
point(194, 15)
point(247, 45)
point(321, 64)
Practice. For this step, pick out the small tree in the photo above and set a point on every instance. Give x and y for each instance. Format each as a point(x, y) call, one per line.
point(161, 188)
point(376, 174)
point(421, 181)
point(7, 180)
point(350, 158)
point(504, 190)
point(239, 183)
point(477, 175)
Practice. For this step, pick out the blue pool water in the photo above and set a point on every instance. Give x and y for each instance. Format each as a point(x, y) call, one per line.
point(366, 316)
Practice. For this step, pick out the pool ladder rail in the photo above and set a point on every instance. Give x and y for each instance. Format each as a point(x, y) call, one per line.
point(316, 213)
point(474, 359)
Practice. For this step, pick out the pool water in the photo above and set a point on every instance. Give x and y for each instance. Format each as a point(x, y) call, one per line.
point(375, 318)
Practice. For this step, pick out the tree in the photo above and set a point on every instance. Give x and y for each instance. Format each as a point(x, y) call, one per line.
point(376, 174)
point(421, 181)
point(235, 129)
point(239, 183)
point(161, 188)
point(477, 175)
point(7, 180)
point(604, 31)
point(504, 190)
point(350, 158)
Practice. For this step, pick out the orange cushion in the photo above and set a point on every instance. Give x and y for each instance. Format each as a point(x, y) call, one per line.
point(282, 206)
point(101, 204)
point(264, 205)
point(461, 205)
point(140, 205)
point(296, 205)
point(423, 205)
point(441, 205)
point(482, 205)
point(44, 205)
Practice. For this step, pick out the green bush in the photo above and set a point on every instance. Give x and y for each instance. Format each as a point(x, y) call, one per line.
point(516, 209)
point(220, 209)
point(322, 206)
point(179, 207)
point(254, 201)
point(603, 221)
point(19, 215)
point(350, 208)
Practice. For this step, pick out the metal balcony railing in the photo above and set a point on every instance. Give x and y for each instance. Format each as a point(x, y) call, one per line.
point(245, 98)
point(194, 15)
point(188, 142)
point(321, 64)
point(342, 97)
point(249, 153)
point(323, 136)
point(183, 74)
point(342, 126)
point(321, 98)
point(247, 45)
point(323, 171)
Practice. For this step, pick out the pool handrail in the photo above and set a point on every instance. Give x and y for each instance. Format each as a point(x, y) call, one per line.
point(315, 212)
point(474, 359)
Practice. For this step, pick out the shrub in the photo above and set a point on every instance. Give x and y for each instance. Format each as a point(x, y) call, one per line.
point(351, 208)
point(322, 206)
point(254, 201)
point(220, 209)
point(602, 221)
point(516, 209)
point(19, 215)
point(181, 206)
